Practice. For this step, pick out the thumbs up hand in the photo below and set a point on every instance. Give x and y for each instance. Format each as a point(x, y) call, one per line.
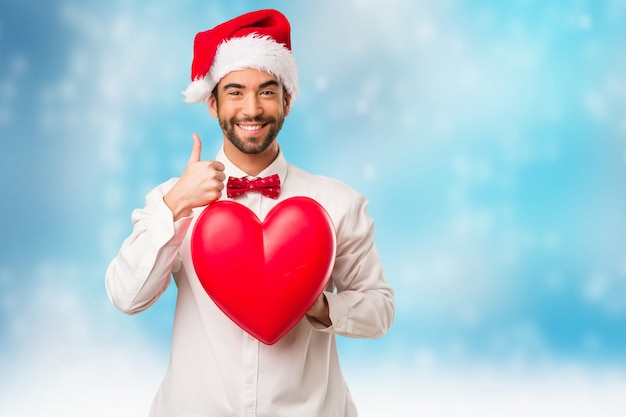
point(200, 184)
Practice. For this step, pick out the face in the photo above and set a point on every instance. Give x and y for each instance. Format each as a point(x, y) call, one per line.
point(251, 106)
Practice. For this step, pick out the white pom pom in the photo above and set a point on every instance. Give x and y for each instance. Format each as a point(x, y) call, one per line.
point(197, 91)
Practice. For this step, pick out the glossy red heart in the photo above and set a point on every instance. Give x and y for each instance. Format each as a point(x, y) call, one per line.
point(264, 275)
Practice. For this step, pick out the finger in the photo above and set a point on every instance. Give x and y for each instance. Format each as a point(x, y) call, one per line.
point(218, 166)
point(196, 150)
point(220, 176)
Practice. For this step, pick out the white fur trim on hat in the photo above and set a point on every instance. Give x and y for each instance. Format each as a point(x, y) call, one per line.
point(252, 51)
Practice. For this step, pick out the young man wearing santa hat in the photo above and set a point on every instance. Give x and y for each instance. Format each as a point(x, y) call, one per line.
point(245, 72)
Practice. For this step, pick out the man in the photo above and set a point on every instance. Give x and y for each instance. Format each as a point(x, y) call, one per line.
point(245, 71)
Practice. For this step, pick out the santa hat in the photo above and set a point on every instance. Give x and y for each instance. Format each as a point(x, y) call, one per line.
point(259, 40)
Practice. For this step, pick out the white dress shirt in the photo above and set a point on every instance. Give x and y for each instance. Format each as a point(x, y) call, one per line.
point(216, 369)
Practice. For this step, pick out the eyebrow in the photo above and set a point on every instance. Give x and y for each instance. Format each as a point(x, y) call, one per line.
point(241, 86)
point(268, 84)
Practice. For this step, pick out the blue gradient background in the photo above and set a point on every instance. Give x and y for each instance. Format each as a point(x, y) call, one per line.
point(490, 138)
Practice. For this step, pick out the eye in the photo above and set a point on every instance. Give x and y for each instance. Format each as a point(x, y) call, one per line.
point(268, 92)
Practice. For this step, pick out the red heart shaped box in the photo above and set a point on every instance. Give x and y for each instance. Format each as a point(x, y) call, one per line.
point(264, 275)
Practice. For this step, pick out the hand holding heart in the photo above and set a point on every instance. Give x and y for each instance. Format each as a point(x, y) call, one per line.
point(201, 184)
point(320, 312)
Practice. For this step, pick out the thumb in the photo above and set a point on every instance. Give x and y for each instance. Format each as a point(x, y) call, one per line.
point(197, 148)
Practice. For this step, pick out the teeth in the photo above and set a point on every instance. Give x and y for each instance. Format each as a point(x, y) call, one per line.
point(250, 128)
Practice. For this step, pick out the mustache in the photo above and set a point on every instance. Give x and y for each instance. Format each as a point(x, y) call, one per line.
point(257, 119)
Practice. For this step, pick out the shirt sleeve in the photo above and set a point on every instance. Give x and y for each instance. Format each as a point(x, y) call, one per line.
point(142, 269)
point(363, 304)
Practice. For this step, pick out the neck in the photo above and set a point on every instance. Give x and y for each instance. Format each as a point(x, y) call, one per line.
point(251, 164)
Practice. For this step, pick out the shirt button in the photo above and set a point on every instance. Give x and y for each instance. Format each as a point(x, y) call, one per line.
point(250, 379)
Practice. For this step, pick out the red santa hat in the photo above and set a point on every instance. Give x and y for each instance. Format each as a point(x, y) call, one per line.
point(259, 40)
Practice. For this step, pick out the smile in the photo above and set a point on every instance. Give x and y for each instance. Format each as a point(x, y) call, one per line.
point(250, 128)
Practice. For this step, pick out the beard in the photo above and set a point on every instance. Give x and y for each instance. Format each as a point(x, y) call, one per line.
point(252, 145)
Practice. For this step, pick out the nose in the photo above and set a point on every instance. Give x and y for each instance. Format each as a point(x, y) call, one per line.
point(252, 106)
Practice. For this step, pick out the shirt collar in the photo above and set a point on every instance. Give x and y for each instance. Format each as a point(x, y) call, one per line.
point(278, 166)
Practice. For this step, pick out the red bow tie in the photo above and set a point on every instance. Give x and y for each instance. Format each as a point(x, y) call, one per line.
point(268, 186)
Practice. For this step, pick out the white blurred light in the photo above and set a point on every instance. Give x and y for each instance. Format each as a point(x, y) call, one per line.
point(585, 21)
point(489, 392)
point(370, 171)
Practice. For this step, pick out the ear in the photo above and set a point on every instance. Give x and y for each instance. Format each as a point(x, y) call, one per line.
point(212, 103)
point(287, 98)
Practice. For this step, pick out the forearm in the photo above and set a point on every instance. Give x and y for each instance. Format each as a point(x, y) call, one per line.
point(363, 305)
point(360, 314)
point(141, 271)
point(132, 290)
